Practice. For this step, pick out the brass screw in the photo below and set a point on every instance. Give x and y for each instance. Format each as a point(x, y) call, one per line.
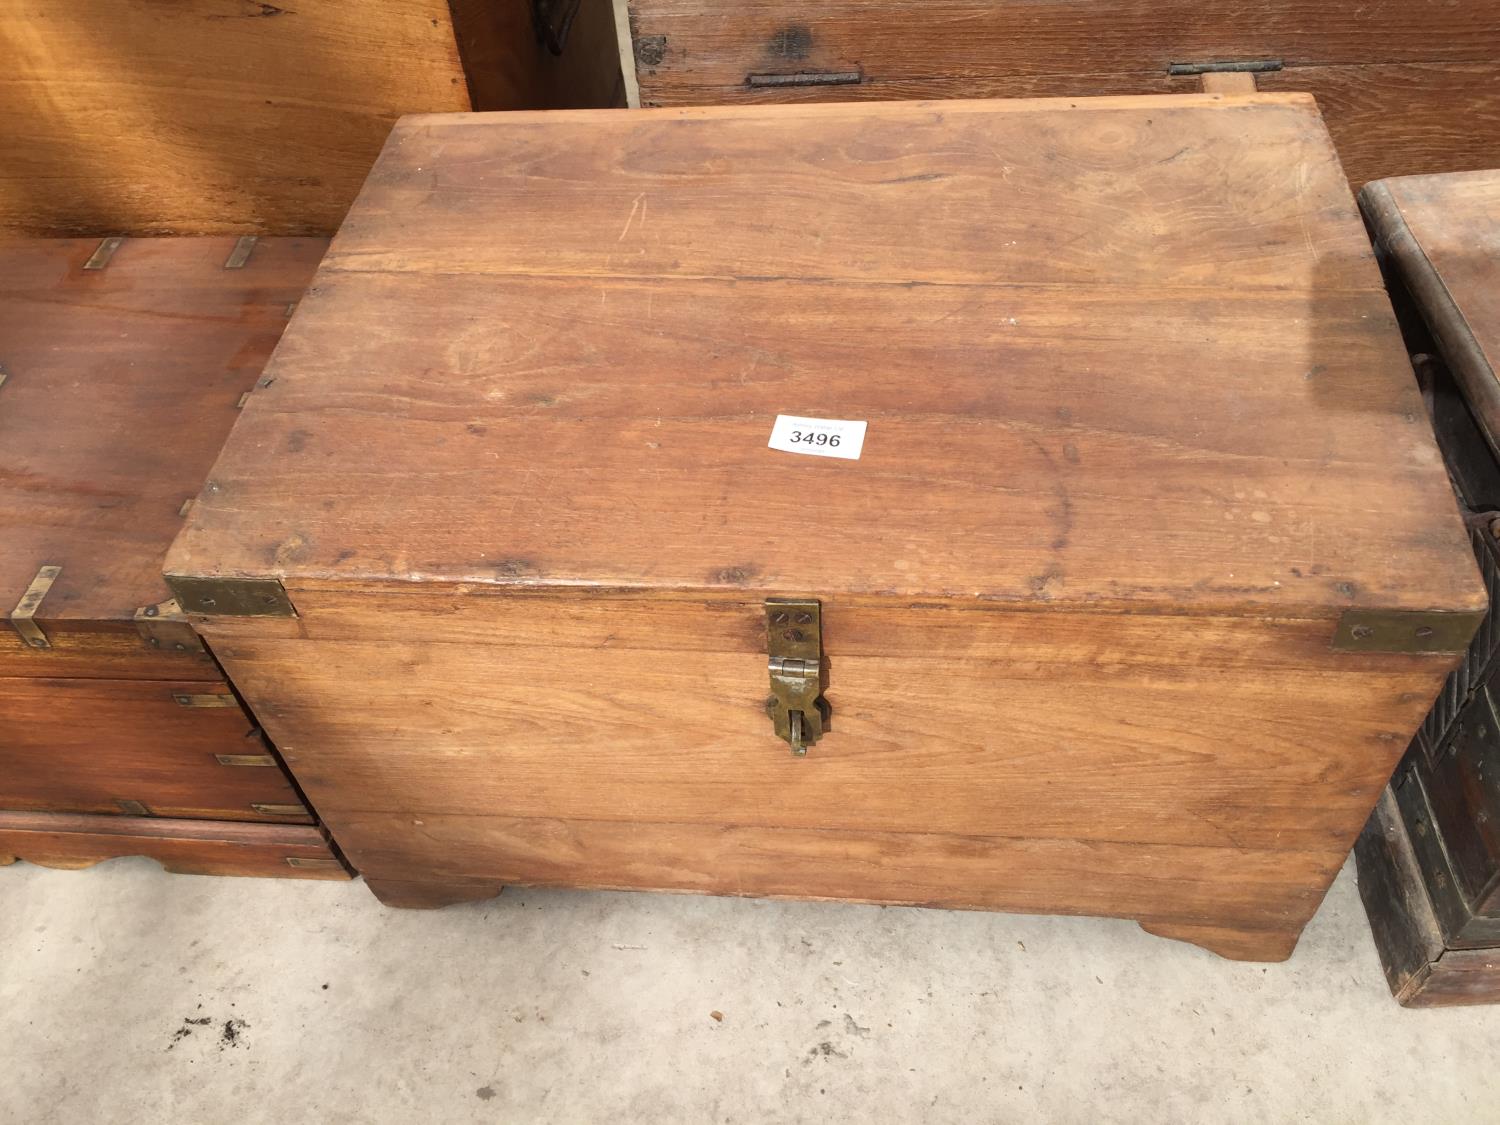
point(804, 619)
point(779, 618)
point(1362, 632)
point(793, 634)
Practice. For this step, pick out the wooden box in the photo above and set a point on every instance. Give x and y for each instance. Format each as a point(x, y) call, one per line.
point(1429, 861)
point(1142, 578)
point(123, 365)
point(1405, 84)
point(252, 117)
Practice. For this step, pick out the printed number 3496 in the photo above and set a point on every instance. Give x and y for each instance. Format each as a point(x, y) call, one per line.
point(814, 437)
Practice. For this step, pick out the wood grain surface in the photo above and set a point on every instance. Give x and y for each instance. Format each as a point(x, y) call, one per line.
point(1054, 725)
point(187, 847)
point(106, 746)
point(1141, 429)
point(1442, 234)
point(1407, 87)
point(120, 386)
point(719, 43)
point(1170, 373)
point(208, 116)
point(1268, 894)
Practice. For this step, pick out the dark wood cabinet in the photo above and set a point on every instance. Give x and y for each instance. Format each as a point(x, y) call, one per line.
point(1404, 84)
point(1429, 861)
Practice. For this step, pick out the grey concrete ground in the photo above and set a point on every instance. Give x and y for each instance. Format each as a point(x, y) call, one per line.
point(129, 995)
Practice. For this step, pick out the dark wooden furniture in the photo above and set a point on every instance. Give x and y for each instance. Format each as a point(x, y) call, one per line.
point(1406, 85)
point(1429, 861)
point(124, 363)
point(1117, 605)
point(251, 117)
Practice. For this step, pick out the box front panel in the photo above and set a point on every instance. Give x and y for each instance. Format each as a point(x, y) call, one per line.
point(1175, 745)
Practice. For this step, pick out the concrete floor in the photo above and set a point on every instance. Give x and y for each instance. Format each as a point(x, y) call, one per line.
point(129, 995)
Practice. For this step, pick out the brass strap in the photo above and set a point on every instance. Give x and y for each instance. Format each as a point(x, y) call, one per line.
point(103, 253)
point(23, 616)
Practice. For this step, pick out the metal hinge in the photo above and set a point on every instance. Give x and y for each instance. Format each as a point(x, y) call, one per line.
point(104, 252)
point(243, 248)
point(794, 637)
point(1405, 631)
point(231, 597)
point(164, 626)
point(23, 617)
point(1242, 66)
point(805, 78)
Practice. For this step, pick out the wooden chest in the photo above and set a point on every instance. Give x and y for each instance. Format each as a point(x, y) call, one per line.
point(251, 117)
point(1429, 860)
point(1406, 84)
point(1066, 449)
point(123, 365)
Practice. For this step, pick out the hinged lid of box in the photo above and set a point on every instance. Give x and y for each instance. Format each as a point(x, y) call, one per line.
point(1122, 352)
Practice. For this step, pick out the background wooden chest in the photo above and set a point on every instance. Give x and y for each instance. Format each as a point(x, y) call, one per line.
point(1407, 85)
point(1117, 604)
point(124, 363)
point(1429, 860)
point(250, 117)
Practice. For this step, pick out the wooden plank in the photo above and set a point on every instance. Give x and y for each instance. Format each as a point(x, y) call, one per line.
point(1405, 119)
point(1057, 725)
point(208, 116)
point(1141, 431)
point(681, 44)
point(121, 386)
point(1268, 896)
point(186, 847)
point(1396, 103)
point(112, 746)
point(1407, 935)
point(1229, 82)
point(823, 262)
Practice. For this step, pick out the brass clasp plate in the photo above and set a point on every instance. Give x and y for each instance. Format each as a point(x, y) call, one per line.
point(794, 637)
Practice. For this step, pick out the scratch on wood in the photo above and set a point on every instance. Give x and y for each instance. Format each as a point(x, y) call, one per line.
point(638, 207)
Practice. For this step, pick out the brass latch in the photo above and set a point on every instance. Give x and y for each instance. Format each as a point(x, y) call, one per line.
point(794, 635)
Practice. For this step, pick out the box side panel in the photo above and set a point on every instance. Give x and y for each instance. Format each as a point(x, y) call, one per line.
point(687, 48)
point(1224, 743)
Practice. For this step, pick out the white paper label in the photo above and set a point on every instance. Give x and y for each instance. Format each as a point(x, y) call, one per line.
point(821, 437)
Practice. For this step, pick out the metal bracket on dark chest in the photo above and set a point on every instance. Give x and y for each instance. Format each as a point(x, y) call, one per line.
point(794, 635)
